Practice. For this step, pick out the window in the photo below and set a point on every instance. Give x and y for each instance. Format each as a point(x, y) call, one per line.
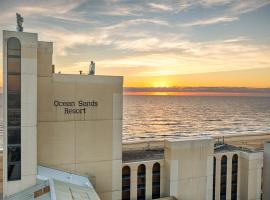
point(156, 181)
point(126, 183)
point(214, 179)
point(14, 109)
point(141, 182)
point(223, 178)
point(234, 177)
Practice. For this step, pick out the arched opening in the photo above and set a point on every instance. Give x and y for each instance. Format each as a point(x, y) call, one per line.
point(141, 182)
point(14, 109)
point(156, 181)
point(234, 177)
point(223, 178)
point(126, 183)
point(214, 178)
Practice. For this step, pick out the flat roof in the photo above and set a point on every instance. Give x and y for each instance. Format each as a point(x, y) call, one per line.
point(227, 148)
point(158, 153)
point(62, 185)
point(142, 155)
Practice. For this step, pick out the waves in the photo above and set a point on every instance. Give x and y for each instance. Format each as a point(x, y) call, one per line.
point(159, 117)
point(156, 117)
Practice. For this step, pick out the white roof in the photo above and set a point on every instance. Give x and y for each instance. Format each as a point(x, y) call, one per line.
point(45, 173)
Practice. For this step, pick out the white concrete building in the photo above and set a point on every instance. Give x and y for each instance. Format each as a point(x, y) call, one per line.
point(192, 168)
point(71, 126)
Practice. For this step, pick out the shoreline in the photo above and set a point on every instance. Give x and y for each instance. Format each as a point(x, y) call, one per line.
point(253, 141)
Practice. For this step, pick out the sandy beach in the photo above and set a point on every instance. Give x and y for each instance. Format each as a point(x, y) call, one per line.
point(253, 141)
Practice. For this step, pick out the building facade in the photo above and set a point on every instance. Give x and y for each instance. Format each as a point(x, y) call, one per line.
point(71, 124)
point(67, 122)
point(192, 168)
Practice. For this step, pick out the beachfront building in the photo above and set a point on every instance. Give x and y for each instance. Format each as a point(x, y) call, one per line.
point(191, 168)
point(63, 140)
point(66, 122)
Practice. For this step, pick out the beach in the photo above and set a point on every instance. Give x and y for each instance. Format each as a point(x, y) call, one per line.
point(253, 141)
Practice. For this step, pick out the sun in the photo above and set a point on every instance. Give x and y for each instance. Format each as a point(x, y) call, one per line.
point(161, 83)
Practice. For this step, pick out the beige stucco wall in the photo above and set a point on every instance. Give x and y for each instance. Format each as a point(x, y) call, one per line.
point(266, 171)
point(188, 165)
point(87, 144)
point(251, 175)
point(28, 111)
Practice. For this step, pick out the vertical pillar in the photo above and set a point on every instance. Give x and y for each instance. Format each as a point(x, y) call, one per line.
point(210, 165)
point(229, 177)
point(218, 178)
point(28, 110)
point(162, 179)
point(133, 182)
point(148, 186)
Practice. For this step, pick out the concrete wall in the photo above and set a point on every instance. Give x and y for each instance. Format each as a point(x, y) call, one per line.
point(250, 175)
point(149, 166)
point(28, 111)
point(88, 143)
point(188, 168)
point(266, 171)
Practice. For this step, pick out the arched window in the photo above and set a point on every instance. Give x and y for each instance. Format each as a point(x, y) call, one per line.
point(156, 181)
point(141, 182)
point(234, 177)
point(126, 183)
point(223, 178)
point(14, 109)
point(214, 178)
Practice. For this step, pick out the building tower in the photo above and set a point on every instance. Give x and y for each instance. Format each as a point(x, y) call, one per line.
point(20, 113)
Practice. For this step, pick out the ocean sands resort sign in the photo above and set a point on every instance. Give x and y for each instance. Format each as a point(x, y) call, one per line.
point(75, 107)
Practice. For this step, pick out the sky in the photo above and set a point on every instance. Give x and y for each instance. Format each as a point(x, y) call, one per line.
point(154, 43)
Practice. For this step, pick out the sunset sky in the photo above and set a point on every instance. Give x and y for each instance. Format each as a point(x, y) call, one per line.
point(154, 43)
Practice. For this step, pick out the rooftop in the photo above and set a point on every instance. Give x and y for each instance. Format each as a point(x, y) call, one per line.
point(54, 184)
point(142, 155)
point(226, 147)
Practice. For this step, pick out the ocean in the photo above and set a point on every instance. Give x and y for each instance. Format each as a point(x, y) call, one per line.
point(159, 117)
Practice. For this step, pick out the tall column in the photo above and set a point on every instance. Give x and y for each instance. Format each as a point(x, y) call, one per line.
point(148, 186)
point(162, 179)
point(229, 176)
point(23, 118)
point(218, 178)
point(133, 182)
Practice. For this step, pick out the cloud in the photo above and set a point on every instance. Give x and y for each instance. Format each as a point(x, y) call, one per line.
point(142, 35)
point(211, 21)
point(200, 89)
point(160, 7)
point(239, 7)
point(191, 57)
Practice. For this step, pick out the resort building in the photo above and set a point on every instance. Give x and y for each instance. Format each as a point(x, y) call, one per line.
point(63, 140)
